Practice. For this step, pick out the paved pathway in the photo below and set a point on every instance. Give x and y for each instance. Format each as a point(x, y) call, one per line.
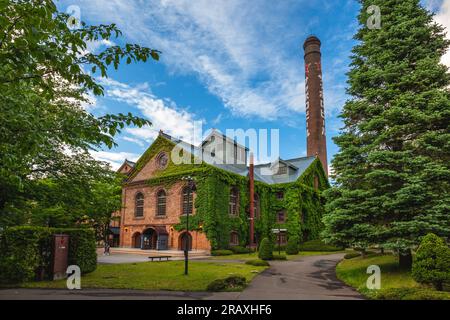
point(309, 277)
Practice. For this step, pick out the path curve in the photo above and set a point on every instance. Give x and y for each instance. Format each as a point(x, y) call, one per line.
point(306, 278)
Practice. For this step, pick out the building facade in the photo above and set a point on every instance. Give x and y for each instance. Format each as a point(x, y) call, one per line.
point(229, 198)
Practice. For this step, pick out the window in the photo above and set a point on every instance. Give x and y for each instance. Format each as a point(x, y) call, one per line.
point(281, 217)
point(257, 211)
point(187, 200)
point(162, 160)
point(234, 239)
point(139, 205)
point(280, 195)
point(233, 208)
point(161, 203)
point(282, 238)
point(282, 170)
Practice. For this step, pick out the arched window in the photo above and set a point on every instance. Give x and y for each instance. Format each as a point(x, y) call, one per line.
point(139, 205)
point(161, 203)
point(234, 238)
point(187, 200)
point(233, 208)
point(256, 205)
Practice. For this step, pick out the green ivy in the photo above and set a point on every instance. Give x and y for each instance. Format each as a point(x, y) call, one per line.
point(303, 205)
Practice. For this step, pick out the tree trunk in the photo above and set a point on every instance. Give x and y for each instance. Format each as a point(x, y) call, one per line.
point(405, 259)
point(382, 250)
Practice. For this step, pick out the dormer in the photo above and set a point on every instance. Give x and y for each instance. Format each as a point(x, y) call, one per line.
point(281, 167)
point(220, 149)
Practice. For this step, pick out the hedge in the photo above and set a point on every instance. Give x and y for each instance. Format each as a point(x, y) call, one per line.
point(221, 252)
point(240, 250)
point(317, 245)
point(257, 262)
point(26, 252)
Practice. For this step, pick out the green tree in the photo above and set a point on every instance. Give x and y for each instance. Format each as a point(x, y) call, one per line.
point(432, 262)
point(46, 77)
point(392, 170)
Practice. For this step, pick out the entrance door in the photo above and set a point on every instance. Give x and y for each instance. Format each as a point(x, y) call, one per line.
point(149, 240)
point(185, 237)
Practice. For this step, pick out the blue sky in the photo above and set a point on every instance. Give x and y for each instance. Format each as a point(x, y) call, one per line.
point(232, 64)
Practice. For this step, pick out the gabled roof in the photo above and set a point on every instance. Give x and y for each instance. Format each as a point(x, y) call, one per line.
point(262, 172)
point(126, 162)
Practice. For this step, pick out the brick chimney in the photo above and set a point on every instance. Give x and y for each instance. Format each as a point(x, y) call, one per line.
point(315, 113)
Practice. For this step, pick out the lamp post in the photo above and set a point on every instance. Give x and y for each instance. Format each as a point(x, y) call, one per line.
point(191, 188)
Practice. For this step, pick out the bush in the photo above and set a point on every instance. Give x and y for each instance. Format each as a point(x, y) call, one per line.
point(265, 250)
point(352, 255)
point(317, 245)
point(221, 252)
point(230, 283)
point(82, 248)
point(292, 245)
point(240, 250)
point(257, 262)
point(26, 252)
point(432, 262)
point(279, 257)
point(411, 294)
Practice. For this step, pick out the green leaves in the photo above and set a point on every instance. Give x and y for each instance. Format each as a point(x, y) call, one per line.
point(393, 139)
point(46, 132)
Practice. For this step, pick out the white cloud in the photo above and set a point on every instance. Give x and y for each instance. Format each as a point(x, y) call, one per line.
point(163, 113)
point(443, 17)
point(114, 158)
point(234, 46)
point(136, 141)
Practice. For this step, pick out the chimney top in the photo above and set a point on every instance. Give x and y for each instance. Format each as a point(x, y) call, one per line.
point(310, 40)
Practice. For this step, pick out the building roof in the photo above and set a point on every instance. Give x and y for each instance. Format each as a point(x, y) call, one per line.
point(262, 172)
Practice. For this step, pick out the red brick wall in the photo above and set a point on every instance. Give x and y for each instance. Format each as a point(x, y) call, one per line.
point(131, 224)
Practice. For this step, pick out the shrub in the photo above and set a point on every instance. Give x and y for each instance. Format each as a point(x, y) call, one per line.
point(317, 245)
point(26, 252)
point(230, 283)
point(240, 250)
point(279, 257)
point(292, 245)
point(411, 294)
point(352, 255)
point(82, 248)
point(221, 252)
point(432, 262)
point(265, 250)
point(257, 262)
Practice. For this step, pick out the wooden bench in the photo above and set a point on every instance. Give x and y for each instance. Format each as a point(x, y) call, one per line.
point(159, 257)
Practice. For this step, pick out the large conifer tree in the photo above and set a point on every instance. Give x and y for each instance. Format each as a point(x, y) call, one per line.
point(392, 171)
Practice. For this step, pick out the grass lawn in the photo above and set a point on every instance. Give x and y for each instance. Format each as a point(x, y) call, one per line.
point(395, 283)
point(156, 276)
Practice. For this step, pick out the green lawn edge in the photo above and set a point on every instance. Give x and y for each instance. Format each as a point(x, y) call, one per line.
point(396, 284)
point(156, 276)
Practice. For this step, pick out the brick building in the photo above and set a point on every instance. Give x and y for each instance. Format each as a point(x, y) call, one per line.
point(235, 202)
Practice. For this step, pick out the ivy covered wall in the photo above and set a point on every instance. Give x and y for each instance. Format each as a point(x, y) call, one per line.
point(302, 203)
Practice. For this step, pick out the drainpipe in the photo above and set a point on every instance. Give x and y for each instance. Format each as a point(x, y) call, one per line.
point(252, 200)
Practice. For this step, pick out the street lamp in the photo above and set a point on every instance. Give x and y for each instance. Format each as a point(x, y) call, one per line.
point(278, 233)
point(191, 187)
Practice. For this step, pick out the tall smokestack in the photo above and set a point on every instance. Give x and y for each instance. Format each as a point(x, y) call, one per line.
point(252, 200)
point(315, 113)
